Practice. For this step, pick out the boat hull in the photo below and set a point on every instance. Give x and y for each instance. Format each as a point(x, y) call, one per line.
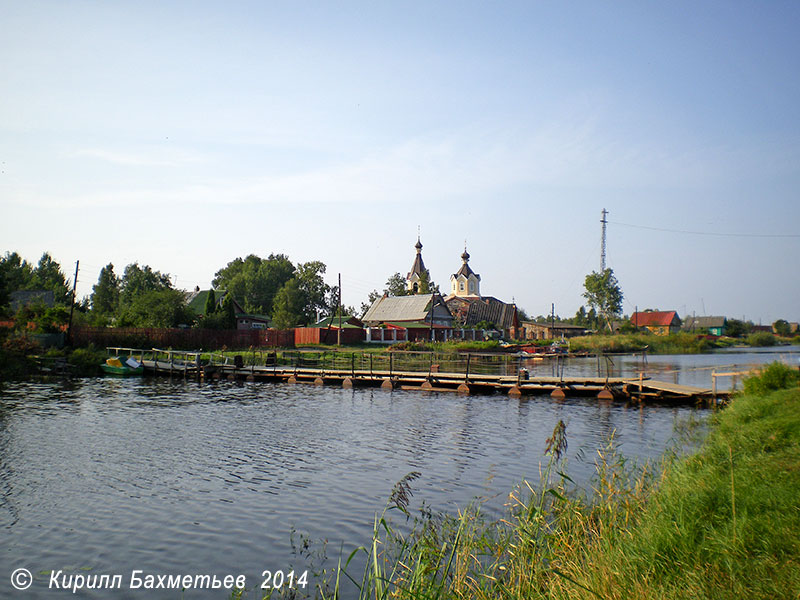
point(124, 371)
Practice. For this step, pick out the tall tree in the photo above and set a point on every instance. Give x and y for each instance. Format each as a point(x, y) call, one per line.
point(254, 281)
point(228, 312)
point(396, 286)
point(105, 293)
point(782, 328)
point(16, 271)
point(313, 289)
point(165, 307)
point(139, 280)
point(211, 303)
point(426, 285)
point(604, 294)
point(48, 276)
point(289, 303)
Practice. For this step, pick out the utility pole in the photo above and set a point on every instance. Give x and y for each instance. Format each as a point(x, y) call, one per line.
point(72, 305)
point(603, 242)
point(339, 333)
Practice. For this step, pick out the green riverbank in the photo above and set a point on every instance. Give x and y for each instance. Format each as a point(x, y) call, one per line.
point(721, 523)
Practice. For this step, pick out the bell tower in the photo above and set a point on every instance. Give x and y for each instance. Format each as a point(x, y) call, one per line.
point(465, 282)
point(417, 269)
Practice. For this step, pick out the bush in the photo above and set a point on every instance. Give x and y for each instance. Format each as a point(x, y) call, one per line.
point(761, 338)
point(777, 376)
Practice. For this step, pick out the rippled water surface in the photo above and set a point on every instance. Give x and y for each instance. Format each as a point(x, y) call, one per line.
point(110, 475)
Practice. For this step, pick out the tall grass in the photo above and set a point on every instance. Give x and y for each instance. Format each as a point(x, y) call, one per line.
point(676, 343)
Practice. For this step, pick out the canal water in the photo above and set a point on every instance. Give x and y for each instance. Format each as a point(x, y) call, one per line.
point(107, 476)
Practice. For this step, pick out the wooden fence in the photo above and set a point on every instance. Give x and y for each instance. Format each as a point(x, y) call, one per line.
point(322, 335)
point(184, 339)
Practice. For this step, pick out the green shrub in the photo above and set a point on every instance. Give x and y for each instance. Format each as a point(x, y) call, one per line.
point(761, 338)
point(777, 376)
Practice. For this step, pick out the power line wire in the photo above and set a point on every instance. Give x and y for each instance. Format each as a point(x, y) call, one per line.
point(710, 233)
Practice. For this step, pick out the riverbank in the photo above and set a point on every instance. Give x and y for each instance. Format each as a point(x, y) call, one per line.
point(21, 359)
point(722, 523)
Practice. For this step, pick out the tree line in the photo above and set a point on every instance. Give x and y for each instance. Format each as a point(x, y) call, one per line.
point(274, 287)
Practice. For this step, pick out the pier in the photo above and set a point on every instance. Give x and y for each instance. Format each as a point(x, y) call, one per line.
point(464, 373)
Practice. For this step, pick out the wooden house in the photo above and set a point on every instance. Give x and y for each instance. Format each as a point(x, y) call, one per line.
point(550, 331)
point(196, 301)
point(657, 321)
point(712, 325)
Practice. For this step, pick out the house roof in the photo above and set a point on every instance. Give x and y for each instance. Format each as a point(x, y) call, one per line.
point(485, 308)
point(703, 322)
point(348, 322)
point(26, 297)
point(402, 308)
point(654, 318)
point(196, 300)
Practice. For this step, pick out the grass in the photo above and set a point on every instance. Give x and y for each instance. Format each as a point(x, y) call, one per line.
point(676, 343)
point(721, 523)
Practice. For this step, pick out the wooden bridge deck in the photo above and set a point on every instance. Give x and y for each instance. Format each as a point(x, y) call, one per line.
point(638, 389)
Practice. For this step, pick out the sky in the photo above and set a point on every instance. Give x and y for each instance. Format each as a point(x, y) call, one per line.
point(183, 135)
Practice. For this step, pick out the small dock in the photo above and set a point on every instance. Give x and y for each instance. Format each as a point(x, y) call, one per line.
point(465, 375)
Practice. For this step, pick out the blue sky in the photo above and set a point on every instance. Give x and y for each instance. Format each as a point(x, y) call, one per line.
point(185, 134)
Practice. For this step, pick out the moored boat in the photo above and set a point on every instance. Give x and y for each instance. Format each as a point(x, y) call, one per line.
point(122, 366)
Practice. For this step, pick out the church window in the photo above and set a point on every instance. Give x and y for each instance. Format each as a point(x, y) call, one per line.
point(461, 286)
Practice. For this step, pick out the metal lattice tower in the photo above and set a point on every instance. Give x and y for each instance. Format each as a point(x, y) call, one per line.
point(603, 242)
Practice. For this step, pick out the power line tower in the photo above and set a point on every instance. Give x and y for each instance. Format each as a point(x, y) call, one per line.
point(603, 242)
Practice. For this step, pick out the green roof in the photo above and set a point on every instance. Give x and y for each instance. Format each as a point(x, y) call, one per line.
point(197, 301)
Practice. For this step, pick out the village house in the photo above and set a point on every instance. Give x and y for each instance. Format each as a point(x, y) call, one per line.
point(422, 316)
point(549, 331)
point(657, 322)
point(196, 301)
point(713, 325)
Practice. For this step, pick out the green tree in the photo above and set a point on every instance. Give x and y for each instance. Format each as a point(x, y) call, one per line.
point(228, 312)
point(156, 308)
point(211, 303)
point(48, 276)
point(254, 281)
point(426, 285)
point(782, 328)
point(591, 318)
point(105, 293)
point(289, 304)
point(313, 290)
point(604, 294)
point(16, 272)
point(737, 328)
point(137, 281)
point(396, 286)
